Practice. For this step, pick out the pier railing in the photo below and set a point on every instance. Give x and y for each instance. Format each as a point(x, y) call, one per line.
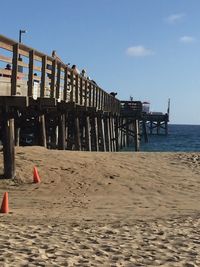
point(36, 75)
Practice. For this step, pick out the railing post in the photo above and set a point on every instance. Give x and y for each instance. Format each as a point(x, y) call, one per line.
point(30, 73)
point(43, 77)
point(72, 86)
point(14, 69)
point(81, 90)
point(77, 89)
point(58, 81)
point(53, 78)
point(86, 88)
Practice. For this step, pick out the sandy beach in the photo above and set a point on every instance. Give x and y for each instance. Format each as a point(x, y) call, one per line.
point(102, 209)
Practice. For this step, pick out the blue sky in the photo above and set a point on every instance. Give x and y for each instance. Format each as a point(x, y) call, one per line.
point(148, 49)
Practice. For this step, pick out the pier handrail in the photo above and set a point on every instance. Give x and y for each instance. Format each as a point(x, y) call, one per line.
point(50, 77)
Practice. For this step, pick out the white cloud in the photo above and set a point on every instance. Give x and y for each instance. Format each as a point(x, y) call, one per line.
point(174, 18)
point(187, 39)
point(138, 51)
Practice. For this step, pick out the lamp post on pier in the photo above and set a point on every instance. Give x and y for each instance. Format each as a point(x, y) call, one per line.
point(20, 35)
point(20, 68)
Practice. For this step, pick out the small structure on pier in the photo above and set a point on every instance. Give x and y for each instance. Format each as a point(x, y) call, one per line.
point(156, 122)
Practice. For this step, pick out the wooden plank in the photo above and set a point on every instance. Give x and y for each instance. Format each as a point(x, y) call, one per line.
point(43, 76)
point(30, 73)
point(6, 46)
point(14, 69)
point(6, 59)
point(53, 79)
point(58, 81)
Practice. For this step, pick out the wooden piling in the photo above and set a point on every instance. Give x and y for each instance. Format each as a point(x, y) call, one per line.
point(96, 133)
point(101, 133)
point(145, 131)
point(136, 135)
point(77, 134)
point(8, 146)
point(88, 134)
point(42, 131)
point(61, 132)
point(117, 132)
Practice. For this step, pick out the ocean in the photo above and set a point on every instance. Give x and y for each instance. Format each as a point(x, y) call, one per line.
point(181, 138)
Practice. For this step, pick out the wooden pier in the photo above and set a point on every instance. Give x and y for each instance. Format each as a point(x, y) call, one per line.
point(45, 102)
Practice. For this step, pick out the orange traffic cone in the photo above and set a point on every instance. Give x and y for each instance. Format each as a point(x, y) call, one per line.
point(4, 205)
point(36, 177)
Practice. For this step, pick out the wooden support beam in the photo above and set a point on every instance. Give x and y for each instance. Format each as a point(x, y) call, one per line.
point(96, 133)
point(136, 137)
point(42, 131)
point(101, 133)
point(127, 133)
point(66, 129)
point(107, 133)
point(113, 133)
point(77, 134)
point(151, 127)
point(144, 127)
point(8, 146)
point(166, 128)
point(61, 132)
point(117, 133)
point(120, 133)
point(88, 134)
point(17, 132)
